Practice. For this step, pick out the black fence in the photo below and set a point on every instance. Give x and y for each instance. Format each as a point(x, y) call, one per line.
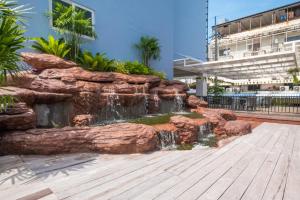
point(267, 104)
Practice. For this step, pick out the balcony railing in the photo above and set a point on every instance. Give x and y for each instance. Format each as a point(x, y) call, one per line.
point(286, 47)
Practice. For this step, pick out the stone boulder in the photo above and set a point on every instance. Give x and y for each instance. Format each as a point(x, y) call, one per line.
point(17, 117)
point(195, 102)
point(84, 120)
point(115, 139)
point(233, 128)
point(187, 129)
point(41, 62)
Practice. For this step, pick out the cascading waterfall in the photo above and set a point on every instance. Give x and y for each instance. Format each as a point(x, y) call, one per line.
point(146, 100)
point(206, 136)
point(113, 105)
point(156, 100)
point(179, 103)
point(167, 140)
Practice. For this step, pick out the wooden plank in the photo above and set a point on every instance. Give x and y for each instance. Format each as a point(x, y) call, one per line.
point(237, 189)
point(128, 191)
point(191, 177)
point(37, 195)
point(257, 188)
point(221, 185)
point(202, 186)
point(138, 169)
point(292, 189)
point(100, 188)
point(275, 187)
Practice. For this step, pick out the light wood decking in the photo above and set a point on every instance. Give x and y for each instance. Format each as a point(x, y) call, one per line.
point(263, 165)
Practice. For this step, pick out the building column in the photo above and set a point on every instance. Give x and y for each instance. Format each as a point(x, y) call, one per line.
point(201, 86)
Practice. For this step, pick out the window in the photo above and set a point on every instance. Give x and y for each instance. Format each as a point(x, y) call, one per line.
point(80, 12)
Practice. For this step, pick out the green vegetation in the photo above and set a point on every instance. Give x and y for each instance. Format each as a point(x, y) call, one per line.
point(98, 62)
point(11, 40)
point(149, 48)
point(216, 89)
point(5, 102)
point(185, 147)
point(51, 46)
point(294, 72)
point(72, 24)
point(163, 119)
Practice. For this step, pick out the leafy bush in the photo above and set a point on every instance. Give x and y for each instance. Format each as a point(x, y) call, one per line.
point(161, 75)
point(136, 68)
point(98, 62)
point(51, 46)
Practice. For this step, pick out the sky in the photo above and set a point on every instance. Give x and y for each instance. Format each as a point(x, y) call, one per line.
point(233, 9)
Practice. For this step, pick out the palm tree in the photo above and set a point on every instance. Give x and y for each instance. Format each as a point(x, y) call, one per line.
point(149, 48)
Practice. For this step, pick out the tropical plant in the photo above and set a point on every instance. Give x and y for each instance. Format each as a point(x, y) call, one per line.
point(51, 46)
point(216, 89)
point(149, 48)
point(294, 72)
point(72, 23)
point(11, 38)
point(98, 62)
point(5, 102)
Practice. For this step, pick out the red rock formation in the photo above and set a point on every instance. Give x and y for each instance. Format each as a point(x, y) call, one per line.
point(84, 120)
point(195, 102)
point(46, 61)
point(233, 128)
point(17, 117)
point(115, 139)
point(187, 129)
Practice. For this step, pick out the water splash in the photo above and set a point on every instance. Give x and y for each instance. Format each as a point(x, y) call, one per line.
point(178, 102)
point(167, 140)
point(156, 100)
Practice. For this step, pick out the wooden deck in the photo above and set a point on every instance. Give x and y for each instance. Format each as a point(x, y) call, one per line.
point(263, 165)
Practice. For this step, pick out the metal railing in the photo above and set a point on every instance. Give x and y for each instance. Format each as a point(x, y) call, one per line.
point(266, 104)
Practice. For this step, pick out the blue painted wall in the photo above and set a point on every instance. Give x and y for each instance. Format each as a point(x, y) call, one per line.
point(178, 24)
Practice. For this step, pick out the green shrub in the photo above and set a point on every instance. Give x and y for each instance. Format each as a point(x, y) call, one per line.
point(161, 75)
point(98, 62)
point(120, 67)
point(51, 46)
point(185, 147)
point(6, 101)
point(136, 68)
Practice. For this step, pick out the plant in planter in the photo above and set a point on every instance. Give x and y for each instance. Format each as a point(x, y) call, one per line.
point(51, 46)
point(73, 25)
point(149, 48)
